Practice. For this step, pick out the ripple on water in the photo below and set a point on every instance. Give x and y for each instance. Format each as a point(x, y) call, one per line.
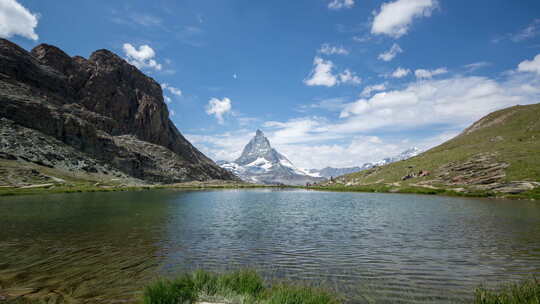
point(103, 247)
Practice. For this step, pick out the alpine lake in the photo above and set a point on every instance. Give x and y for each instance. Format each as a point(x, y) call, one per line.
point(369, 247)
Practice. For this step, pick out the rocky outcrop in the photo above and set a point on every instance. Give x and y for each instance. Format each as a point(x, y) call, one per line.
point(101, 106)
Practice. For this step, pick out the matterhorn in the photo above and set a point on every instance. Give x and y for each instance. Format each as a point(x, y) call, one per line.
point(262, 164)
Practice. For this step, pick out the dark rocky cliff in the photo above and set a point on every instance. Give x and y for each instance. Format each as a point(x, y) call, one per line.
point(101, 106)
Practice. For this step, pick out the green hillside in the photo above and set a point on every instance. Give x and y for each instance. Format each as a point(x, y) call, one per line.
point(497, 155)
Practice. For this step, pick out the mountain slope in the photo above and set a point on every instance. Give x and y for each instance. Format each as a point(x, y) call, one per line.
point(260, 163)
point(498, 153)
point(103, 108)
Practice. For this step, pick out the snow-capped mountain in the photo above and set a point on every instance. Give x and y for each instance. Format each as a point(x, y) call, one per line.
point(260, 163)
point(401, 156)
point(329, 172)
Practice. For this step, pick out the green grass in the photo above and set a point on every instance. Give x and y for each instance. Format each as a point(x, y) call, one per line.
point(179, 291)
point(242, 286)
point(66, 189)
point(512, 135)
point(77, 188)
point(527, 292)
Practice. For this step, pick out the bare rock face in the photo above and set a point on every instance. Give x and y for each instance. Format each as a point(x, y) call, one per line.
point(93, 106)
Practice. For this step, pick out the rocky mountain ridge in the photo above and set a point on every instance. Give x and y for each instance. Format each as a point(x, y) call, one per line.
point(101, 107)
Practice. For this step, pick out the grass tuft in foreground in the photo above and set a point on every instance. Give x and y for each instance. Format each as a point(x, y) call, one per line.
point(243, 286)
point(527, 292)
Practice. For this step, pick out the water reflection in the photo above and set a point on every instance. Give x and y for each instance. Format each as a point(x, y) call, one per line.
point(103, 247)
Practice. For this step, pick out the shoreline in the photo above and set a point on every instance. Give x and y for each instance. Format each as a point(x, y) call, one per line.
point(6, 191)
point(533, 195)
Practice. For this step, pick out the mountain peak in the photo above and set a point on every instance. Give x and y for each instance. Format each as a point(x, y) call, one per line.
point(260, 163)
point(258, 147)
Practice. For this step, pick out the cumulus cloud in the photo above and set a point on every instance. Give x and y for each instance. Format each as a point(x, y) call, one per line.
point(219, 108)
point(171, 89)
point(143, 57)
point(400, 73)
point(225, 146)
point(373, 88)
point(323, 75)
point(349, 77)
point(328, 49)
point(358, 150)
point(530, 65)
point(425, 74)
point(395, 18)
point(15, 19)
point(384, 124)
point(456, 101)
point(391, 53)
point(339, 4)
point(167, 99)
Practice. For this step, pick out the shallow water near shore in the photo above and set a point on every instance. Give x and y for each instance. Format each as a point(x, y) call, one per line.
point(383, 248)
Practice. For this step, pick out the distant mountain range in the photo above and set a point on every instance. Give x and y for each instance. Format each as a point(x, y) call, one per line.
point(260, 163)
point(329, 172)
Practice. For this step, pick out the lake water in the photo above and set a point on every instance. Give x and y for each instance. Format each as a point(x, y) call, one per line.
point(382, 248)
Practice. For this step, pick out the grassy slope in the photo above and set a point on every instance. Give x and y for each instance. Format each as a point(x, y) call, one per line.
point(513, 133)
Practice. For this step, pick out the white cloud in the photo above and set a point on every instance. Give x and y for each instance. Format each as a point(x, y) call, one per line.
point(142, 57)
point(167, 99)
point(362, 39)
point(530, 65)
point(132, 18)
point(226, 146)
point(171, 89)
point(456, 101)
point(385, 124)
point(477, 65)
point(219, 108)
point(172, 113)
point(400, 73)
point(373, 88)
point(531, 31)
point(322, 75)
point(359, 150)
point(395, 18)
point(339, 4)
point(328, 49)
point(15, 19)
point(426, 74)
point(391, 53)
point(349, 77)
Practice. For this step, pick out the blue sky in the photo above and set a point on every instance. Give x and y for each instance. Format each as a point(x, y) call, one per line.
point(331, 82)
